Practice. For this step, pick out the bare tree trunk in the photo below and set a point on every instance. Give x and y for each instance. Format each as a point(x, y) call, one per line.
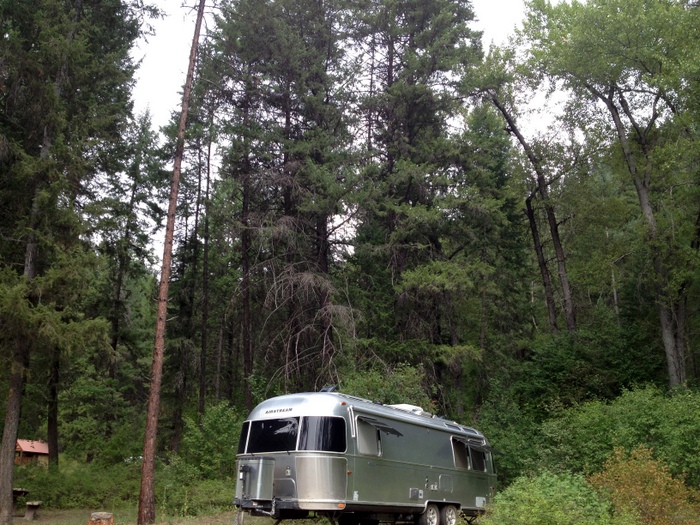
point(536, 163)
point(147, 509)
point(219, 352)
point(205, 291)
point(542, 263)
point(246, 337)
point(246, 246)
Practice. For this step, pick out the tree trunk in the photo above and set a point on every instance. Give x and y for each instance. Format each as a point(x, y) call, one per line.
point(20, 362)
point(9, 434)
point(323, 256)
point(246, 338)
point(205, 291)
point(536, 163)
point(52, 419)
point(672, 327)
point(246, 246)
point(146, 509)
point(542, 263)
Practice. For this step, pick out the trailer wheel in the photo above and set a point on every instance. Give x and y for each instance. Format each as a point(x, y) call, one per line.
point(431, 516)
point(449, 515)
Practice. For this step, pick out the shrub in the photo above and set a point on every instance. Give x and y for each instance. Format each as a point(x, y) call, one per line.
point(513, 431)
point(209, 448)
point(177, 498)
point(180, 489)
point(582, 438)
point(551, 499)
point(638, 483)
point(81, 485)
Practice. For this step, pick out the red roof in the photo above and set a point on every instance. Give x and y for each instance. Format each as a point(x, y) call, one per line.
point(34, 447)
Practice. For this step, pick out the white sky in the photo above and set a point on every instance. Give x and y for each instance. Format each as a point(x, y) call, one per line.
point(165, 55)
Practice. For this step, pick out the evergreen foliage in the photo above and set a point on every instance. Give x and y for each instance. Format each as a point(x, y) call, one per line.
point(362, 205)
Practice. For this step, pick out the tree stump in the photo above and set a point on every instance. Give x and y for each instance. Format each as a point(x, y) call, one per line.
point(101, 518)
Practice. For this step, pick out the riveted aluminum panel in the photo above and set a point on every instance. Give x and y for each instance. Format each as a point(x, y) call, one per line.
point(321, 482)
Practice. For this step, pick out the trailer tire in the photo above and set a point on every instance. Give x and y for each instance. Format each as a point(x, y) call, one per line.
point(449, 515)
point(431, 516)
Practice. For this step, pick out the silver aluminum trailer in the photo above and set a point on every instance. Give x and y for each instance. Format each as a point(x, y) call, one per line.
point(356, 461)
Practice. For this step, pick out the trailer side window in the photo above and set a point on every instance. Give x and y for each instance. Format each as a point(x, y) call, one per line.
point(244, 437)
point(478, 459)
point(273, 435)
point(323, 434)
point(461, 454)
point(368, 438)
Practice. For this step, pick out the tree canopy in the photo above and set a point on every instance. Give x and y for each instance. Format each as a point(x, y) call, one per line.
point(509, 237)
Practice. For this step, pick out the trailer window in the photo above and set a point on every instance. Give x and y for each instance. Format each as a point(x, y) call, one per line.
point(461, 454)
point(243, 438)
point(368, 438)
point(273, 435)
point(323, 434)
point(478, 459)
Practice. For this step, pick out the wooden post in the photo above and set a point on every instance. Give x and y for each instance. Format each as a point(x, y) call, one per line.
point(101, 518)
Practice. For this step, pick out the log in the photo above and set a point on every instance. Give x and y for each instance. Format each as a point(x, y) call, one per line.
point(101, 518)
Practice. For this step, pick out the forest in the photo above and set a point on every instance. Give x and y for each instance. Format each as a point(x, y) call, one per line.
point(509, 237)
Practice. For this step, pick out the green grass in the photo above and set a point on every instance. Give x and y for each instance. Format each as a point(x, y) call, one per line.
point(127, 516)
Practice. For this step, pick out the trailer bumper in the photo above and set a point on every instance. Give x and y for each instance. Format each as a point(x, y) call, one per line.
point(274, 508)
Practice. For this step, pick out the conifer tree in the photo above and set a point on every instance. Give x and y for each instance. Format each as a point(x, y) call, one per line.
point(413, 52)
point(64, 88)
point(285, 85)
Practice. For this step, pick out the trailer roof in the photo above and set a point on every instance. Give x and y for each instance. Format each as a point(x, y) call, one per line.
point(315, 403)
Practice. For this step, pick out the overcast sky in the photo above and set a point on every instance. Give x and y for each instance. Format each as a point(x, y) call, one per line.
point(164, 57)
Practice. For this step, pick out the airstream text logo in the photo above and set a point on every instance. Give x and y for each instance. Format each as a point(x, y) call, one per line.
point(278, 410)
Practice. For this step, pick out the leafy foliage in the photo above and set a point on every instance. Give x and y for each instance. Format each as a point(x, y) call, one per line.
point(399, 384)
point(90, 486)
point(583, 438)
point(80, 485)
point(548, 498)
point(364, 227)
point(640, 485)
point(209, 446)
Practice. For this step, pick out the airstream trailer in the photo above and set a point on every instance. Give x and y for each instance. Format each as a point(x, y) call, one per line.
point(356, 461)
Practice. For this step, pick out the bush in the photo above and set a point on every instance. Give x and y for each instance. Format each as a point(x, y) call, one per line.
point(513, 431)
point(209, 448)
point(180, 489)
point(175, 497)
point(637, 483)
point(581, 439)
point(551, 499)
point(81, 485)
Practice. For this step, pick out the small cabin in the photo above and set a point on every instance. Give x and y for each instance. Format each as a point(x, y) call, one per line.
point(28, 452)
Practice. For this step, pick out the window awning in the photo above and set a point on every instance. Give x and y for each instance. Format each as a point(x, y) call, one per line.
point(474, 444)
point(380, 425)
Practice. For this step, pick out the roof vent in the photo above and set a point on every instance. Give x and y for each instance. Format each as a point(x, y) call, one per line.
point(413, 409)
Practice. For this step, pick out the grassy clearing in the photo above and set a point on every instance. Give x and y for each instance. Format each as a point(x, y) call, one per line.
point(127, 516)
